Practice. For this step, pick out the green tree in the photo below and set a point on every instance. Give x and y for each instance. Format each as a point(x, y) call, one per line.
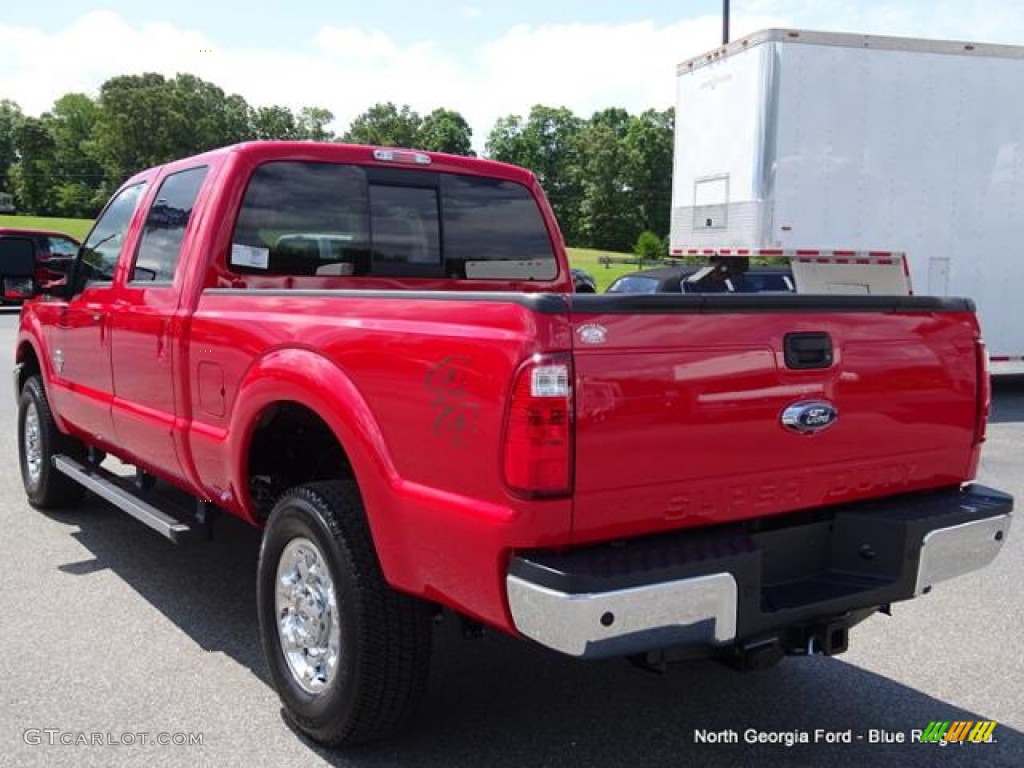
point(272, 123)
point(548, 144)
point(609, 215)
point(32, 176)
point(77, 171)
point(615, 119)
point(649, 145)
point(10, 118)
point(147, 120)
point(445, 130)
point(506, 142)
point(134, 125)
point(313, 122)
point(649, 247)
point(201, 117)
point(385, 125)
point(280, 123)
point(236, 119)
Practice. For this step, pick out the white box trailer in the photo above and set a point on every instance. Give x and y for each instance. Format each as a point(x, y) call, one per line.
point(848, 148)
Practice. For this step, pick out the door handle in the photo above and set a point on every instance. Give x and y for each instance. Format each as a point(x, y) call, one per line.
point(806, 351)
point(161, 338)
point(97, 315)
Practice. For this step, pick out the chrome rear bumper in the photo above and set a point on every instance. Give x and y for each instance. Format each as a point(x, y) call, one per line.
point(950, 552)
point(665, 592)
point(696, 611)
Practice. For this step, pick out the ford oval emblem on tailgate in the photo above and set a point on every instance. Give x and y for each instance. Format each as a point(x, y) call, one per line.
point(592, 333)
point(809, 416)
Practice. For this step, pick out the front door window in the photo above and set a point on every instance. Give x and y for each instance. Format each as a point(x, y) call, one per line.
point(99, 254)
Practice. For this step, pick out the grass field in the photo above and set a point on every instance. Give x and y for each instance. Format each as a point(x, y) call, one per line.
point(77, 228)
point(582, 258)
point(586, 259)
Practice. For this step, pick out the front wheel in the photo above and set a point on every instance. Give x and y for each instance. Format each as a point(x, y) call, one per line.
point(39, 441)
point(349, 656)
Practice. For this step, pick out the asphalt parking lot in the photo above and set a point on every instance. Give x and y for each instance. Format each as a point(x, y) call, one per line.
point(109, 629)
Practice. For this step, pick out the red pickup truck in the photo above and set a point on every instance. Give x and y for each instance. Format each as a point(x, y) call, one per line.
point(376, 356)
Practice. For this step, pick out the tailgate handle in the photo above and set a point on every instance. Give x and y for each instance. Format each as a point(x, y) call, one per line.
point(805, 351)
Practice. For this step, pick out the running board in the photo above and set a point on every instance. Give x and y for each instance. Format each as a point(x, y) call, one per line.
point(113, 488)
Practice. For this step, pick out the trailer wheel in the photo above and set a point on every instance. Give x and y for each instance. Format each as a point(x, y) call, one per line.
point(39, 441)
point(349, 656)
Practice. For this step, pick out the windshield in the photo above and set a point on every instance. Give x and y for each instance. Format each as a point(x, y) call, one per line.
point(634, 284)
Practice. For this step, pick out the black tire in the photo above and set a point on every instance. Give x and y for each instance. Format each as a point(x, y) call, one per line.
point(45, 487)
point(385, 636)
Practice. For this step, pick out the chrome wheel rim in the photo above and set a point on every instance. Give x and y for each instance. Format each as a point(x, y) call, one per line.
point(31, 443)
point(307, 615)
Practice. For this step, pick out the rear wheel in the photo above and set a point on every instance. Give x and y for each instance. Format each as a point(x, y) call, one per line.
point(39, 441)
point(349, 655)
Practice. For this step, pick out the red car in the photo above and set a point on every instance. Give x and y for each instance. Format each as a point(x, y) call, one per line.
point(28, 255)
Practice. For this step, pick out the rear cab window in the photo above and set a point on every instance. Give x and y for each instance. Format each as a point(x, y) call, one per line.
point(307, 219)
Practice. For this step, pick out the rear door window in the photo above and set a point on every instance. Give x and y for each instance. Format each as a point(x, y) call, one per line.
point(160, 246)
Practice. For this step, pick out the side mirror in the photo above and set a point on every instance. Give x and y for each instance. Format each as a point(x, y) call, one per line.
point(143, 274)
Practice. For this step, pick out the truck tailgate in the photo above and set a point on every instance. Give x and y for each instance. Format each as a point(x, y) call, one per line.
point(680, 402)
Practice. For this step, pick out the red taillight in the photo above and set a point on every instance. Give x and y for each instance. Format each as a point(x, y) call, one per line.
point(538, 429)
point(984, 393)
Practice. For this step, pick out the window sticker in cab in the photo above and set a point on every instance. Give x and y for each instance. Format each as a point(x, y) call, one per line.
point(249, 256)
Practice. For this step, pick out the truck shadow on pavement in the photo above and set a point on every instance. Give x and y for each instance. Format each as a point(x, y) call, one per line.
point(503, 703)
point(500, 702)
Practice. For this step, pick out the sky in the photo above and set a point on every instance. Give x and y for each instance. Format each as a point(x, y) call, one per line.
point(483, 59)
